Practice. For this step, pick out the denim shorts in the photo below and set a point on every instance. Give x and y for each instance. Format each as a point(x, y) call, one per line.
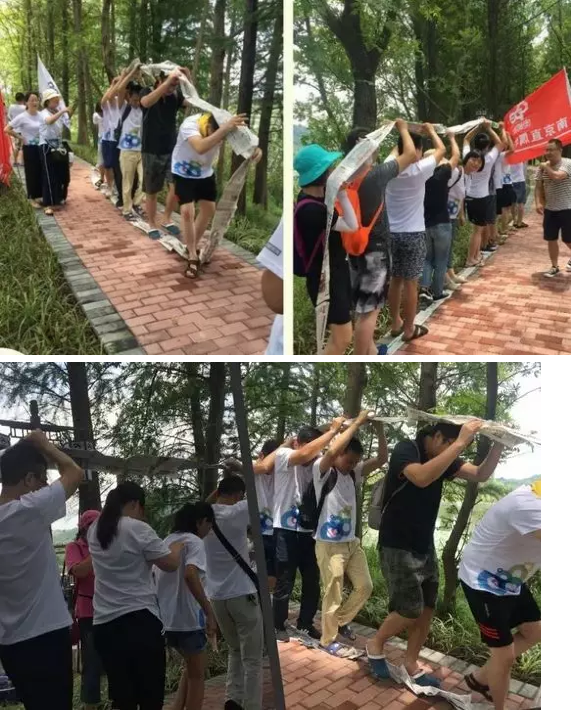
point(520, 192)
point(187, 642)
point(108, 149)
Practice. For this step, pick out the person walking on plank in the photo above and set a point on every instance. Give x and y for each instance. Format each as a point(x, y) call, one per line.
point(25, 127)
point(53, 152)
point(412, 494)
point(195, 152)
point(110, 120)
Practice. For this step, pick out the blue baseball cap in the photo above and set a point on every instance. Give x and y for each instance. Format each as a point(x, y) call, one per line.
point(312, 161)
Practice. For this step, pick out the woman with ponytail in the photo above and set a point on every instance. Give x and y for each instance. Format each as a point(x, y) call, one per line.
point(127, 622)
point(185, 610)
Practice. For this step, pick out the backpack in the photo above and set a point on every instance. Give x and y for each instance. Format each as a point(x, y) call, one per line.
point(355, 242)
point(124, 115)
point(302, 261)
point(309, 509)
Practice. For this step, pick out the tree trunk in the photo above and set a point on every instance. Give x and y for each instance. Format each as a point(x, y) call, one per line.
point(214, 429)
point(29, 42)
point(227, 89)
point(199, 42)
point(80, 73)
point(449, 554)
point(492, 28)
point(112, 34)
point(355, 386)
point(50, 34)
point(428, 386)
point(260, 196)
point(246, 81)
point(143, 23)
point(155, 16)
point(194, 394)
point(284, 386)
point(217, 54)
point(89, 492)
point(418, 24)
point(363, 54)
point(65, 61)
point(314, 393)
point(132, 32)
point(107, 51)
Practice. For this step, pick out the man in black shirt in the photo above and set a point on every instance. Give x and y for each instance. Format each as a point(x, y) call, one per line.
point(159, 134)
point(438, 227)
point(412, 495)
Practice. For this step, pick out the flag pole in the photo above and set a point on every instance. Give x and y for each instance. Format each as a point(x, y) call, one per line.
point(249, 477)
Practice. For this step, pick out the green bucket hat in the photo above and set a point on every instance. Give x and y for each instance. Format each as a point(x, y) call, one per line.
point(312, 161)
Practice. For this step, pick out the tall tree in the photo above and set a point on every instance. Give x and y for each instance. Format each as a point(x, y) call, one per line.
point(81, 70)
point(218, 45)
point(357, 380)
point(106, 39)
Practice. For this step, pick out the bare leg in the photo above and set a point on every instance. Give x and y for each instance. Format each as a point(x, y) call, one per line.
point(364, 333)
point(339, 339)
point(520, 210)
point(195, 664)
point(410, 305)
point(417, 635)
point(206, 212)
point(170, 203)
point(109, 178)
point(151, 209)
point(394, 301)
point(392, 625)
point(188, 227)
point(499, 674)
point(553, 248)
point(181, 695)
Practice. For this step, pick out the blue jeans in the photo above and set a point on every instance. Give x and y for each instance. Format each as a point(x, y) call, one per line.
point(454, 223)
point(438, 243)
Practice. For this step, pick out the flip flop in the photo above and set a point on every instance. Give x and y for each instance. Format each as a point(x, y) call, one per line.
point(378, 666)
point(192, 270)
point(154, 234)
point(475, 685)
point(172, 228)
point(422, 678)
point(419, 331)
point(397, 333)
point(336, 649)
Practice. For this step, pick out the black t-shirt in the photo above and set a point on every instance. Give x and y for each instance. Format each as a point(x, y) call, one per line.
point(159, 125)
point(436, 199)
point(409, 521)
point(311, 223)
point(371, 193)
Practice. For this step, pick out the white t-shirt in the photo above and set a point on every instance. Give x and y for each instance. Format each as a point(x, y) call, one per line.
point(337, 520)
point(29, 126)
point(405, 196)
point(15, 110)
point(97, 120)
point(265, 486)
point(185, 160)
point(130, 139)
point(506, 173)
point(123, 581)
point(111, 116)
point(271, 257)
point(456, 193)
point(502, 554)
point(477, 185)
point(225, 579)
point(517, 172)
point(180, 611)
point(31, 598)
point(52, 131)
point(290, 484)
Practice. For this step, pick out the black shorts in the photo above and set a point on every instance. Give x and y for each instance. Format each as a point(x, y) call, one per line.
point(555, 221)
point(504, 198)
point(340, 306)
point(270, 554)
point(195, 189)
point(498, 615)
point(477, 209)
point(491, 210)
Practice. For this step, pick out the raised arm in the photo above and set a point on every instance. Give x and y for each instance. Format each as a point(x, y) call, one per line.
point(471, 472)
point(408, 155)
point(265, 465)
point(471, 135)
point(70, 473)
point(167, 85)
point(455, 157)
point(371, 465)
point(423, 475)
point(493, 135)
point(338, 446)
point(311, 450)
point(111, 91)
point(439, 148)
point(203, 144)
point(121, 85)
point(54, 117)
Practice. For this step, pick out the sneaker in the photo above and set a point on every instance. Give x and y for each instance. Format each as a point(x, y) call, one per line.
point(490, 248)
point(230, 704)
point(425, 297)
point(568, 266)
point(311, 631)
point(282, 635)
point(554, 271)
point(98, 184)
point(129, 216)
point(138, 210)
point(441, 296)
point(346, 632)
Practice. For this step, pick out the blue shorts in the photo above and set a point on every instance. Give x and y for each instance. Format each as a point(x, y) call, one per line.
point(187, 642)
point(520, 192)
point(108, 149)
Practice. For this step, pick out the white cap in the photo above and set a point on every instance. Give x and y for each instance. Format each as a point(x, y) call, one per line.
point(50, 94)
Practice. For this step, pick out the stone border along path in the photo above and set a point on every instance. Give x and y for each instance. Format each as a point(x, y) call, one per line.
point(133, 292)
point(507, 307)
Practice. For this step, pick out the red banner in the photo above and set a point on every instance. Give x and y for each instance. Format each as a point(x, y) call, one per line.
point(5, 146)
point(543, 115)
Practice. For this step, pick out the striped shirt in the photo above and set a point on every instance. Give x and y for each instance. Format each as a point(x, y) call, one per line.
point(557, 192)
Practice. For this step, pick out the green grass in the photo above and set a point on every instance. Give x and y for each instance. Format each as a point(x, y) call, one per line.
point(304, 320)
point(38, 313)
point(456, 635)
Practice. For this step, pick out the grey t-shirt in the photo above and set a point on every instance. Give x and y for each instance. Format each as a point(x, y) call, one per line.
point(372, 193)
point(557, 192)
point(123, 581)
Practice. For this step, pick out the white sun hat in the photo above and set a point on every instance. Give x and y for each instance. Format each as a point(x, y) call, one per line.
point(50, 94)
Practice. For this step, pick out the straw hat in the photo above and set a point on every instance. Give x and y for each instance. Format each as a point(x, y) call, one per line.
point(50, 94)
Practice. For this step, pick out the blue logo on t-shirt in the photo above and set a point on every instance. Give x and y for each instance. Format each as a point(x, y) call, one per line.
point(290, 518)
point(266, 521)
point(130, 141)
point(336, 528)
point(500, 583)
point(187, 169)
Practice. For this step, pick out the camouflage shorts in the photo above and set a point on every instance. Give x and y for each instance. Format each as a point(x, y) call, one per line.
point(412, 580)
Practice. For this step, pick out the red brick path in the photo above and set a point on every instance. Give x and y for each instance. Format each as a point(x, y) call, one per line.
point(221, 313)
point(508, 308)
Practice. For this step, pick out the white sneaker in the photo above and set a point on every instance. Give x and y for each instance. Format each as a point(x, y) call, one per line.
point(550, 273)
point(451, 284)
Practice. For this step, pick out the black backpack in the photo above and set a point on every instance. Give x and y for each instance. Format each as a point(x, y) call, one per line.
point(309, 510)
point(124, 115)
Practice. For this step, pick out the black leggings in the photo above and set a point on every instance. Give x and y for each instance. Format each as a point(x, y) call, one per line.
point(41, 670)
point(132, 650)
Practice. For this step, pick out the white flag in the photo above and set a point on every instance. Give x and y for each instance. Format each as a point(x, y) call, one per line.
point(45, 81)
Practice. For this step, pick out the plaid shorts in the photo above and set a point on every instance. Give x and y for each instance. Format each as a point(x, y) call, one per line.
point(412, 580)
point(408, 254)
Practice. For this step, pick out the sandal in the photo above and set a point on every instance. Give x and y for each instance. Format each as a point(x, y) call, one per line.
point(347, 631)
point(475, 685)
point(419, 331)
point(192, 270)
point(398, 332)
point(336, 649)
point(48, 211)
